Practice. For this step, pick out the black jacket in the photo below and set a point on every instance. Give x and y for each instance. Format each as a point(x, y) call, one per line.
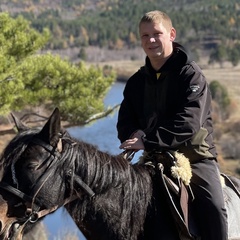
point(173, 110)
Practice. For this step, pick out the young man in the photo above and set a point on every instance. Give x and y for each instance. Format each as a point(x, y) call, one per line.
point(167, 105)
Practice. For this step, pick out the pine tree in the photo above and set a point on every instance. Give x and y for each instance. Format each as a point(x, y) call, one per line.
point(31, 79)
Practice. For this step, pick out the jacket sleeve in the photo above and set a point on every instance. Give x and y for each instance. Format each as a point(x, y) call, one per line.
point(127, 121)
point(192, 114)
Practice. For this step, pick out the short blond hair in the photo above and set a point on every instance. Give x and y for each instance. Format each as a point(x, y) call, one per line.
point(158, 17)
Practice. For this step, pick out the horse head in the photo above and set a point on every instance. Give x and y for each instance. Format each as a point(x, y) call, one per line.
point(32, 164)
point(44, 169)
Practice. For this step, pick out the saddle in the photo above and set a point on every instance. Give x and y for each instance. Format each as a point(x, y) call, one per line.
point(174, 174)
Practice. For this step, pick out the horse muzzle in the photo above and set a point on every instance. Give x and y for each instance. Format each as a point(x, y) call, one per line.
point(11, 227)
point(11, 230)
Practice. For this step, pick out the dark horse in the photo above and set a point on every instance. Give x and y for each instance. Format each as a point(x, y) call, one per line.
point(107, 197)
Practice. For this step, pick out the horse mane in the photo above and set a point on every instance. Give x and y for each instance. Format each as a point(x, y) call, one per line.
point(113, 179)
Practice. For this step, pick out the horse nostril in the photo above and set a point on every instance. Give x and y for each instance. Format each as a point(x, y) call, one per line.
point(0, 226)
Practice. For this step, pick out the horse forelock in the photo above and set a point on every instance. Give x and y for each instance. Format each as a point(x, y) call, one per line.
point(15, 149)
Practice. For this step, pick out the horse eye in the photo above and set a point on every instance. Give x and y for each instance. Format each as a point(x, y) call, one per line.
point(32, 166)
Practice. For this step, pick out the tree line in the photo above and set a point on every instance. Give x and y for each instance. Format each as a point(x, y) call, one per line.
point(212, 25)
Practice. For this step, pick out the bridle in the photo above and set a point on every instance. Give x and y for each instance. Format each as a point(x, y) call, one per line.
point(33, 206)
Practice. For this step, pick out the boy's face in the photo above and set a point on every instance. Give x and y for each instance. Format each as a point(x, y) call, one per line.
point(156, 40)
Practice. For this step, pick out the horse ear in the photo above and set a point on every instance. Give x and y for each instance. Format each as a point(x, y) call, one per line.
point(51, 129)
point(19, 125)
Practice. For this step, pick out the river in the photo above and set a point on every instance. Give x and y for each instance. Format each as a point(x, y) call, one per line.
point(103, 134)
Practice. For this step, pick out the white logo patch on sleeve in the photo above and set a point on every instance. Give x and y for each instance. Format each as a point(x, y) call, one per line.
point(194, 88)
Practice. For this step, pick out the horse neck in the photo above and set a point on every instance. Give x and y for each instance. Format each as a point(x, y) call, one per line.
point(120, 188)
point(98, 169)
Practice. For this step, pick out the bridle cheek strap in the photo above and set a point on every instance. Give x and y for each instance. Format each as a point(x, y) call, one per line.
point(15, 192)
point(33, 216)
point(55, 153)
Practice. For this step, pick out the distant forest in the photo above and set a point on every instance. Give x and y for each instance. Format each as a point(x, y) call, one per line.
point(205, 24)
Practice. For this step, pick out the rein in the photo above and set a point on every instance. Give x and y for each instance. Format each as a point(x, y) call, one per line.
point(32, 215)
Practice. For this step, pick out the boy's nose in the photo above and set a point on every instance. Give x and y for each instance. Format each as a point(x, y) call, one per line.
point(152, 39)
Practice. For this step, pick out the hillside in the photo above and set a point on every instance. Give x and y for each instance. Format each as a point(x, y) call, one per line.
point(112, 24)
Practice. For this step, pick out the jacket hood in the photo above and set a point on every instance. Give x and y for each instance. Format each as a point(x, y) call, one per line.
point(178, 59)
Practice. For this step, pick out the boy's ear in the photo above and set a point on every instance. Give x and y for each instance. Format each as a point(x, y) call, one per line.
point(173, 34)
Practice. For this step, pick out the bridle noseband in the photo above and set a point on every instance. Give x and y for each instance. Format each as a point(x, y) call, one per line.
point(33, 212)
